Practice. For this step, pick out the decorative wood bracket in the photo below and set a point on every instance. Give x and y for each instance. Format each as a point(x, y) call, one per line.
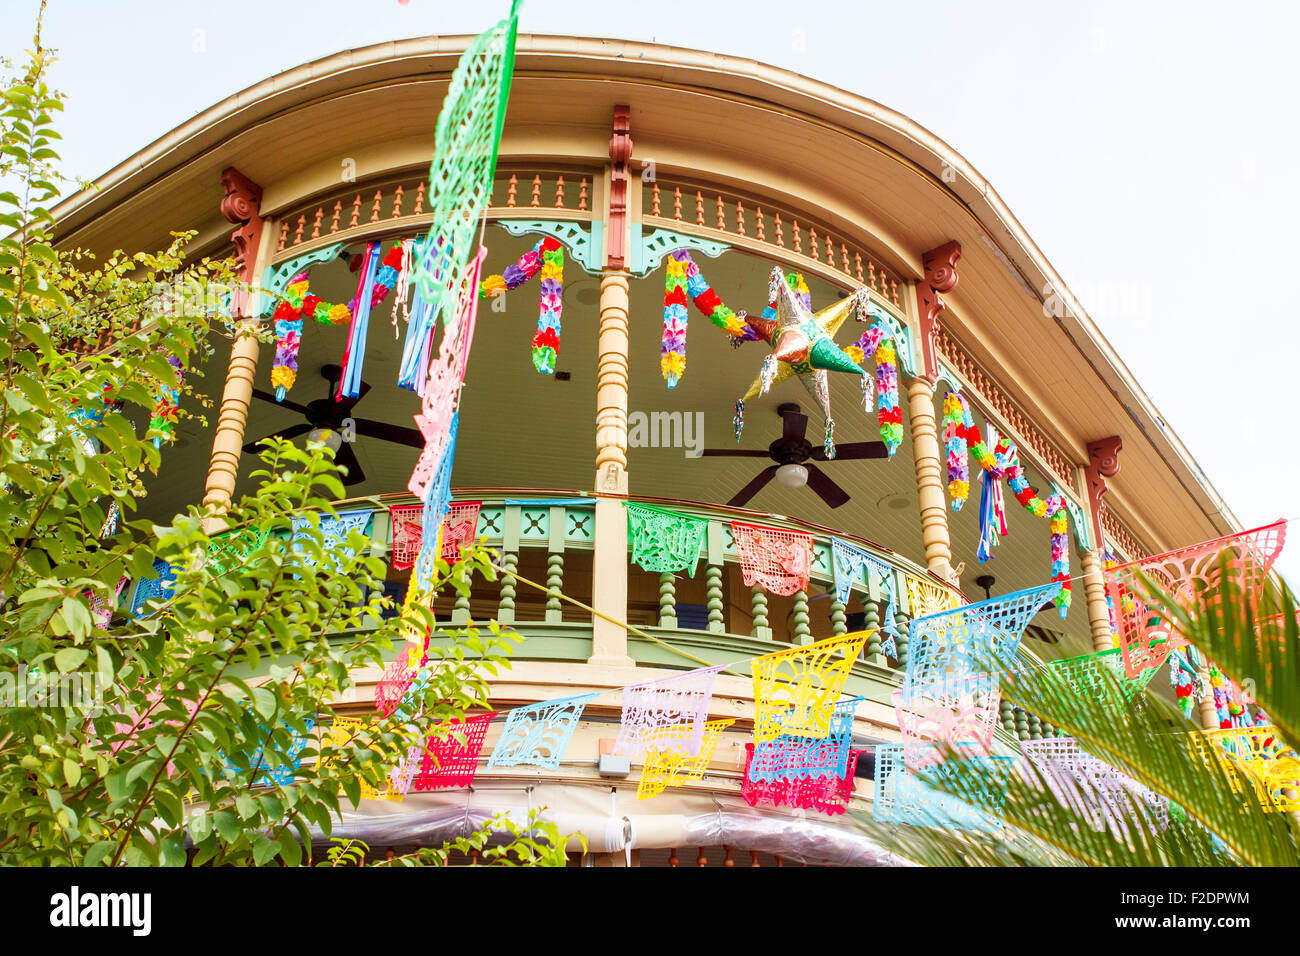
point(940, 266)
point(620, 154)
point(649, 251)
point(241, 204)
point(584, 247)
point(1103, 463)
point(1082, 530)
point(275, 279)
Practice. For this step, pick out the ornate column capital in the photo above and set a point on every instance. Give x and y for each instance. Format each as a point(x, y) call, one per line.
point(1103, 463)
point(241, 204)
point(940, 266)
point(620, 155)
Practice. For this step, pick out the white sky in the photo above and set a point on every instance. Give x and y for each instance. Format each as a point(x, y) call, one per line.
point(1149, 148)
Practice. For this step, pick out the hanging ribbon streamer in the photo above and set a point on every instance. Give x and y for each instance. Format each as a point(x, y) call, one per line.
point(355, 352)
point(419, 337)
point(1004, 462)
point(546, 258)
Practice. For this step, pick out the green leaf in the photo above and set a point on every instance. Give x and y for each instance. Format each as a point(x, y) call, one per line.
point(264, 850)
point(264, 702)
point(70, 658)
point(71, 771)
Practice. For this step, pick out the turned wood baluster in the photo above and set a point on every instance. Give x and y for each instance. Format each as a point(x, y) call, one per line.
point(537, 192)
point(871, 622)
point(844, 258)
point(419, 200)
point(715, 602)
point(460, 609)
point(667, 600)
point(374, 210)
point(812, 243)
point(894, 294)
point(740, 218)
point(722, 221)
point(315, 226)
point(559, 192)
point(758, 607)
point(582, 194)
point(297, 235)
point(871, 274)
point(901, 620)
point(728, 861)
point(758, 217)
point(284, 235)
point(753, 855)
point(1007, 716)
point(356, 211)
point(506, 608)
point(677, 204)
point(338, 211)
point(780, 236)
point(512, 189)
point(857, 263)
point(799, 618)
point(702, 860)
point(839, 620)
point(699, 208)
point(798, 243)
point(654, 199)
point(672, 857)
point(554, 583)
point(397, 202)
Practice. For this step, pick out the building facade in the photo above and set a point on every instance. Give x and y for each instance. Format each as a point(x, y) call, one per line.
point(634, 157)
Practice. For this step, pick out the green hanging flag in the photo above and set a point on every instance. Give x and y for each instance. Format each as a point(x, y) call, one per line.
point(464, 161)
point(664, 540)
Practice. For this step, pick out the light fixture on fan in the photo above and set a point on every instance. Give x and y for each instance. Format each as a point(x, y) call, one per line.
point(326, 436)
point(792, 476)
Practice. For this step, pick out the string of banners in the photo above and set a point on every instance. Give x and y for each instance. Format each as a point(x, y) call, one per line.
point(801, 754)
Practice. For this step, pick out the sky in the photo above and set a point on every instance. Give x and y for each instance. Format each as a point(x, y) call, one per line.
point(1148, 148)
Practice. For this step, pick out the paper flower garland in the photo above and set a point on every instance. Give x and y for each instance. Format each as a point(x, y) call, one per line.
point(683, 280)
point(298, 305)
point(165, 410)
point(878, 342)
point(546, 258)
point(956, 419)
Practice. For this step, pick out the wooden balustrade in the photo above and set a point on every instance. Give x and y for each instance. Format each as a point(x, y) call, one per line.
point(749, 219)
point(399, 201)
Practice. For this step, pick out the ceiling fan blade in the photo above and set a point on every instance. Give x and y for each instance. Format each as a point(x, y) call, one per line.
point(735, 452)
point(793, 426)
point(293, 431)
point(399, 434)
point(753, 487)
point(820, 482)
point(346, 457)
point(854, 449)
point(268, 397)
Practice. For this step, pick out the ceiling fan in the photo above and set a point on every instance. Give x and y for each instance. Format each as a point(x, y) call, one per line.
point(794, 454)
point(327, 414)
